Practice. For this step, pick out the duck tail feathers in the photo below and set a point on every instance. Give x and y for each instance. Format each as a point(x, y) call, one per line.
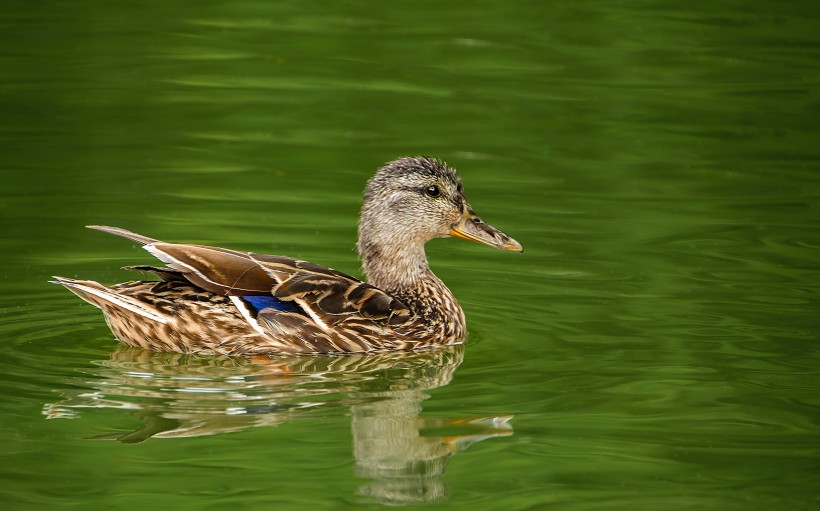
point(102, 297)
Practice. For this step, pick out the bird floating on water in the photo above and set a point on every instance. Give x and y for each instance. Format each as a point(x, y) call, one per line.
point(212, 300)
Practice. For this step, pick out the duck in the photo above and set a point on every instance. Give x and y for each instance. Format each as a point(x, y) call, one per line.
point(218, 301)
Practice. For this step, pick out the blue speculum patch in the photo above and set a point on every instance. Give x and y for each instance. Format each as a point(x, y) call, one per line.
point(257, 303)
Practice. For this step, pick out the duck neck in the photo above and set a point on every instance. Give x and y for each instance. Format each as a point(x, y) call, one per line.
point(392, 269)
point(405, 275)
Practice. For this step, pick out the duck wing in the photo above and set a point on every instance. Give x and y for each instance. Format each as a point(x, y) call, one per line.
point(340, 312)
point(218, 270)
point(330, 297)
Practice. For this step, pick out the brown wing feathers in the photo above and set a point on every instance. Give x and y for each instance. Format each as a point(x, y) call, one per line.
point(330, 295)
point(117, 231)
point(218, 270)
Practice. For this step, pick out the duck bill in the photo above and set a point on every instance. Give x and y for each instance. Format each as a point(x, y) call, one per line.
point(472, 228)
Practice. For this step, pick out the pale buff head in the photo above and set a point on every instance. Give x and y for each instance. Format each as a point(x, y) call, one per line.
point(406, 204)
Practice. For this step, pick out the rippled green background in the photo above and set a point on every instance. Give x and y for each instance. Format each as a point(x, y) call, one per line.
point(655, 347)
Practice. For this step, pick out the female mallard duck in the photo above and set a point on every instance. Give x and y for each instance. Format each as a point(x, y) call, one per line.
point(220, 301)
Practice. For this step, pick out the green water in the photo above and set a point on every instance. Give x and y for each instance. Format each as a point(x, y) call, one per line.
point(655, 347)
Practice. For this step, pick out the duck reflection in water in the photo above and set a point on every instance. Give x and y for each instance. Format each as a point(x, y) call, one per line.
point(403, 454)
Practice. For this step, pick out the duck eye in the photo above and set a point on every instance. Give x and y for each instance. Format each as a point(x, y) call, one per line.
point(432, 191)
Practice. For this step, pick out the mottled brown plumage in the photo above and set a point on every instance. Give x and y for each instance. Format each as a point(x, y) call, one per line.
point(220, 301)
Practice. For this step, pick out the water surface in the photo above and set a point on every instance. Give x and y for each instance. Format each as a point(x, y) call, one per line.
point(655, 347)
